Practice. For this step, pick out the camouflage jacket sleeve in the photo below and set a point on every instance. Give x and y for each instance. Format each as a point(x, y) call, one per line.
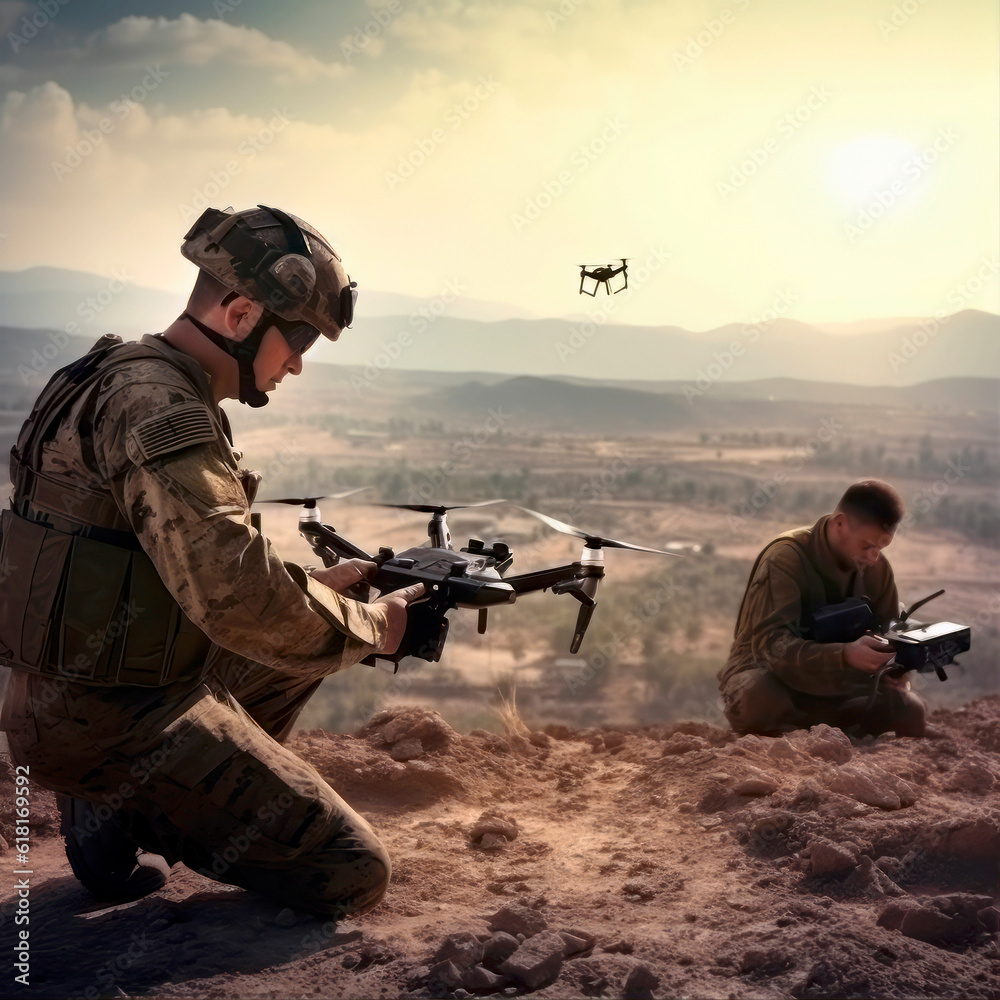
point(771, 624)
point(191, 515)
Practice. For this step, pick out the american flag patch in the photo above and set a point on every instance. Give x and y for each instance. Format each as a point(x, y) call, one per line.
point(177, 427)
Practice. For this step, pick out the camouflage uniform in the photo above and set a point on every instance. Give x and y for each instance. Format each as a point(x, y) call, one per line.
point(196, 766)
point(774, 679)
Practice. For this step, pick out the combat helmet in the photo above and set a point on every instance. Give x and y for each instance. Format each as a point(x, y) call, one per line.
point(281, 262)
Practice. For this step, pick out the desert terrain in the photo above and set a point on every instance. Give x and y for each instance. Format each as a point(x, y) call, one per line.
point(664, 861)
point(587, 825)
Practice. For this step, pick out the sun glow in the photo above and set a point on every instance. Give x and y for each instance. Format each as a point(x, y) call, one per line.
point(862, 167)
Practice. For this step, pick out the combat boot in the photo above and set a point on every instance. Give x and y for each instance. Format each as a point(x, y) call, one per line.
point(104, 858)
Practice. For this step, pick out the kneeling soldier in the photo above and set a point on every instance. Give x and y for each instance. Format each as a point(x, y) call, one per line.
point(161, 650)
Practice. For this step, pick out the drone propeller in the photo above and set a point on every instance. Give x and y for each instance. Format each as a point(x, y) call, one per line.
point(310, 502)
point(438, 508)
point(593, 541)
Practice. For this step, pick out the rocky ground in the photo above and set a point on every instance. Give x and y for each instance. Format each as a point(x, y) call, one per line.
point(676, 861)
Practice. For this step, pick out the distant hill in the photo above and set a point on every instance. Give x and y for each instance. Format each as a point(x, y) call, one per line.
point(965, 344)
point(29, 357)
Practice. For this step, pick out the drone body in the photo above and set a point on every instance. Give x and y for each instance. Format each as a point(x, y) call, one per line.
point(602, 275)
point(472, 577)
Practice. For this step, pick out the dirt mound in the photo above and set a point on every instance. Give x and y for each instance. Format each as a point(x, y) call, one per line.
point(676, 860)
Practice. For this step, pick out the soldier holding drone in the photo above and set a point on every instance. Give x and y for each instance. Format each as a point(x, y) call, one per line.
point(161, 650)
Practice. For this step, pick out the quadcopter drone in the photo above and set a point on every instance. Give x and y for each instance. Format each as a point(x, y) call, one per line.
point(472, 577)
point(602, 276)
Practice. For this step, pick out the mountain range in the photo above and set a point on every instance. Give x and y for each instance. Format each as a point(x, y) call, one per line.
point(402, 332)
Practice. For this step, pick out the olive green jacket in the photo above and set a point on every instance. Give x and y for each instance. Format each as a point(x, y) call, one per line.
point(795, 575)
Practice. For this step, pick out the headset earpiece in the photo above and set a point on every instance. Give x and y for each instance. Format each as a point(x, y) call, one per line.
point(296, 275)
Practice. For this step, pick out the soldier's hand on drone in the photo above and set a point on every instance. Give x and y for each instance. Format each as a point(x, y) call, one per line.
point(394, 606)
point(345, 573)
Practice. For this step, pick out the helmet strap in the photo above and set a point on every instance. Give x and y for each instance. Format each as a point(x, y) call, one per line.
point(244, 351)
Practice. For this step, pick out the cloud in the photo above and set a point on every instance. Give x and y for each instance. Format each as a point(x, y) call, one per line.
point(189, 41)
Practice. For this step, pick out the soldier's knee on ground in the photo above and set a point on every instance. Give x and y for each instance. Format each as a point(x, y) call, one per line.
point(756, 702)
point(353, 880)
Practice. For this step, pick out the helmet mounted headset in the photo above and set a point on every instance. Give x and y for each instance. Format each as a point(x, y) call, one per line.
point(304, 292)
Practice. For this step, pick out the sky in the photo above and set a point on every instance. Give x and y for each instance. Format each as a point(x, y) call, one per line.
point(840, 159)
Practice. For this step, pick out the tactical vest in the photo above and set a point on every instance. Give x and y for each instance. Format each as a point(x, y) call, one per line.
point(79, 598)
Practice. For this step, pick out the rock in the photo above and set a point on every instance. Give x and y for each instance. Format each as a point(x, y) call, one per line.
point(890, 866)
point(445, 974)
point(891, 915)
point(893, 782)
point(966, 903)
point(976, 840)
point(3, 846)
point(575, 943)
point(989, 917)
point(517, 919)
point(682, 743)
point(537, 960)
point(498, 948)
point(538, 739)
point(607, 976)
point(755, 787)
point(612, 740)
point(714, 800)
point(641, 981)
point(463, 950)
point(499, 826)
point(867, 880)
point(286, 918)
point(639, 888)
point(622, 947)
point(969, 777)
point(769, 832)
point(481, 980)
point(764, 961)
point(828, 858)
point(428, 727)
point(850, 780)
point(829, 744)
point(926, 923)
point(493, 842)
point(409, 748)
